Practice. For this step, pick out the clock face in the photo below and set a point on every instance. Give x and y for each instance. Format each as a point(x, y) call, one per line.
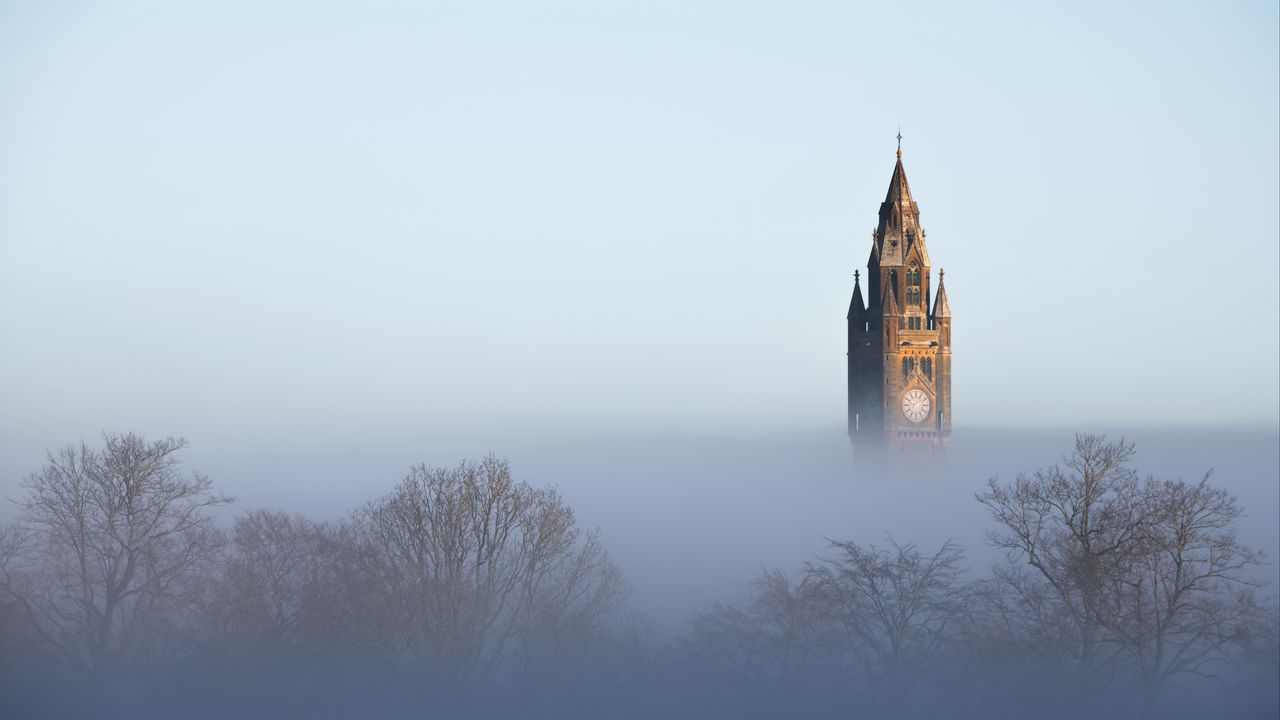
point(915, 405)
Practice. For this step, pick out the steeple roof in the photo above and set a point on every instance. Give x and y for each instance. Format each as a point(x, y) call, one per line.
point(940, 306)
point(898, 188)
point(899, 228)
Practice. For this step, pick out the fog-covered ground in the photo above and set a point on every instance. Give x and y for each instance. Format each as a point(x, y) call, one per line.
point(283, 618)
point(691, 519)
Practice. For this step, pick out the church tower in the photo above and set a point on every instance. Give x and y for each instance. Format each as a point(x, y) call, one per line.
point(900, 336)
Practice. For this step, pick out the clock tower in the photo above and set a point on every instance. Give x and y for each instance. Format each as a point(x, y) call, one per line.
point(900, 336)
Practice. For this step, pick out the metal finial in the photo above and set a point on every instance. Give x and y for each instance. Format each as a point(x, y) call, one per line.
point(855, 277)
point(941, 274)
point(899, 141)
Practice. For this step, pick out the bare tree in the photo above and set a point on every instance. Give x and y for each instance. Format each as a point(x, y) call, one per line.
point(1150, 573)
point(458, 568)
point(569, 618)
point(1015, 649)
point(1016, 606)
point(16, 637)
point(272, 585)
point(1074, 528)
point(104, 541)
point(1177, 606)
point(897, 607)
point(779, 635)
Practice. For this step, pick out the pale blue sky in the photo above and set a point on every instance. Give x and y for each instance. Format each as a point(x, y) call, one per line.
point(310, 219)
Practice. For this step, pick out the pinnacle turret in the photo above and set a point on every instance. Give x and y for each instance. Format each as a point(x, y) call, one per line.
point(857, 310)
point(940, 306)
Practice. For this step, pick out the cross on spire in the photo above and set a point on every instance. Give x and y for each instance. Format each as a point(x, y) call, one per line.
point(899, 141)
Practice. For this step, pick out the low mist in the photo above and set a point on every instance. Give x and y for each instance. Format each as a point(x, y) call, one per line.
point(701, 559)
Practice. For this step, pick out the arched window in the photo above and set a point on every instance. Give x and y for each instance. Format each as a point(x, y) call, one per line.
point(913, 285)
point(926, 366)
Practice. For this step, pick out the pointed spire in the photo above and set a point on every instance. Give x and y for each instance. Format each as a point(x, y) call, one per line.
point(941, 309)
point(899, 225)
point(856, 307)
point(899, 190)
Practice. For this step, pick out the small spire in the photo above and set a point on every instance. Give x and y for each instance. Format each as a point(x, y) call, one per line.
point(857, 308)
point(941, 308)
